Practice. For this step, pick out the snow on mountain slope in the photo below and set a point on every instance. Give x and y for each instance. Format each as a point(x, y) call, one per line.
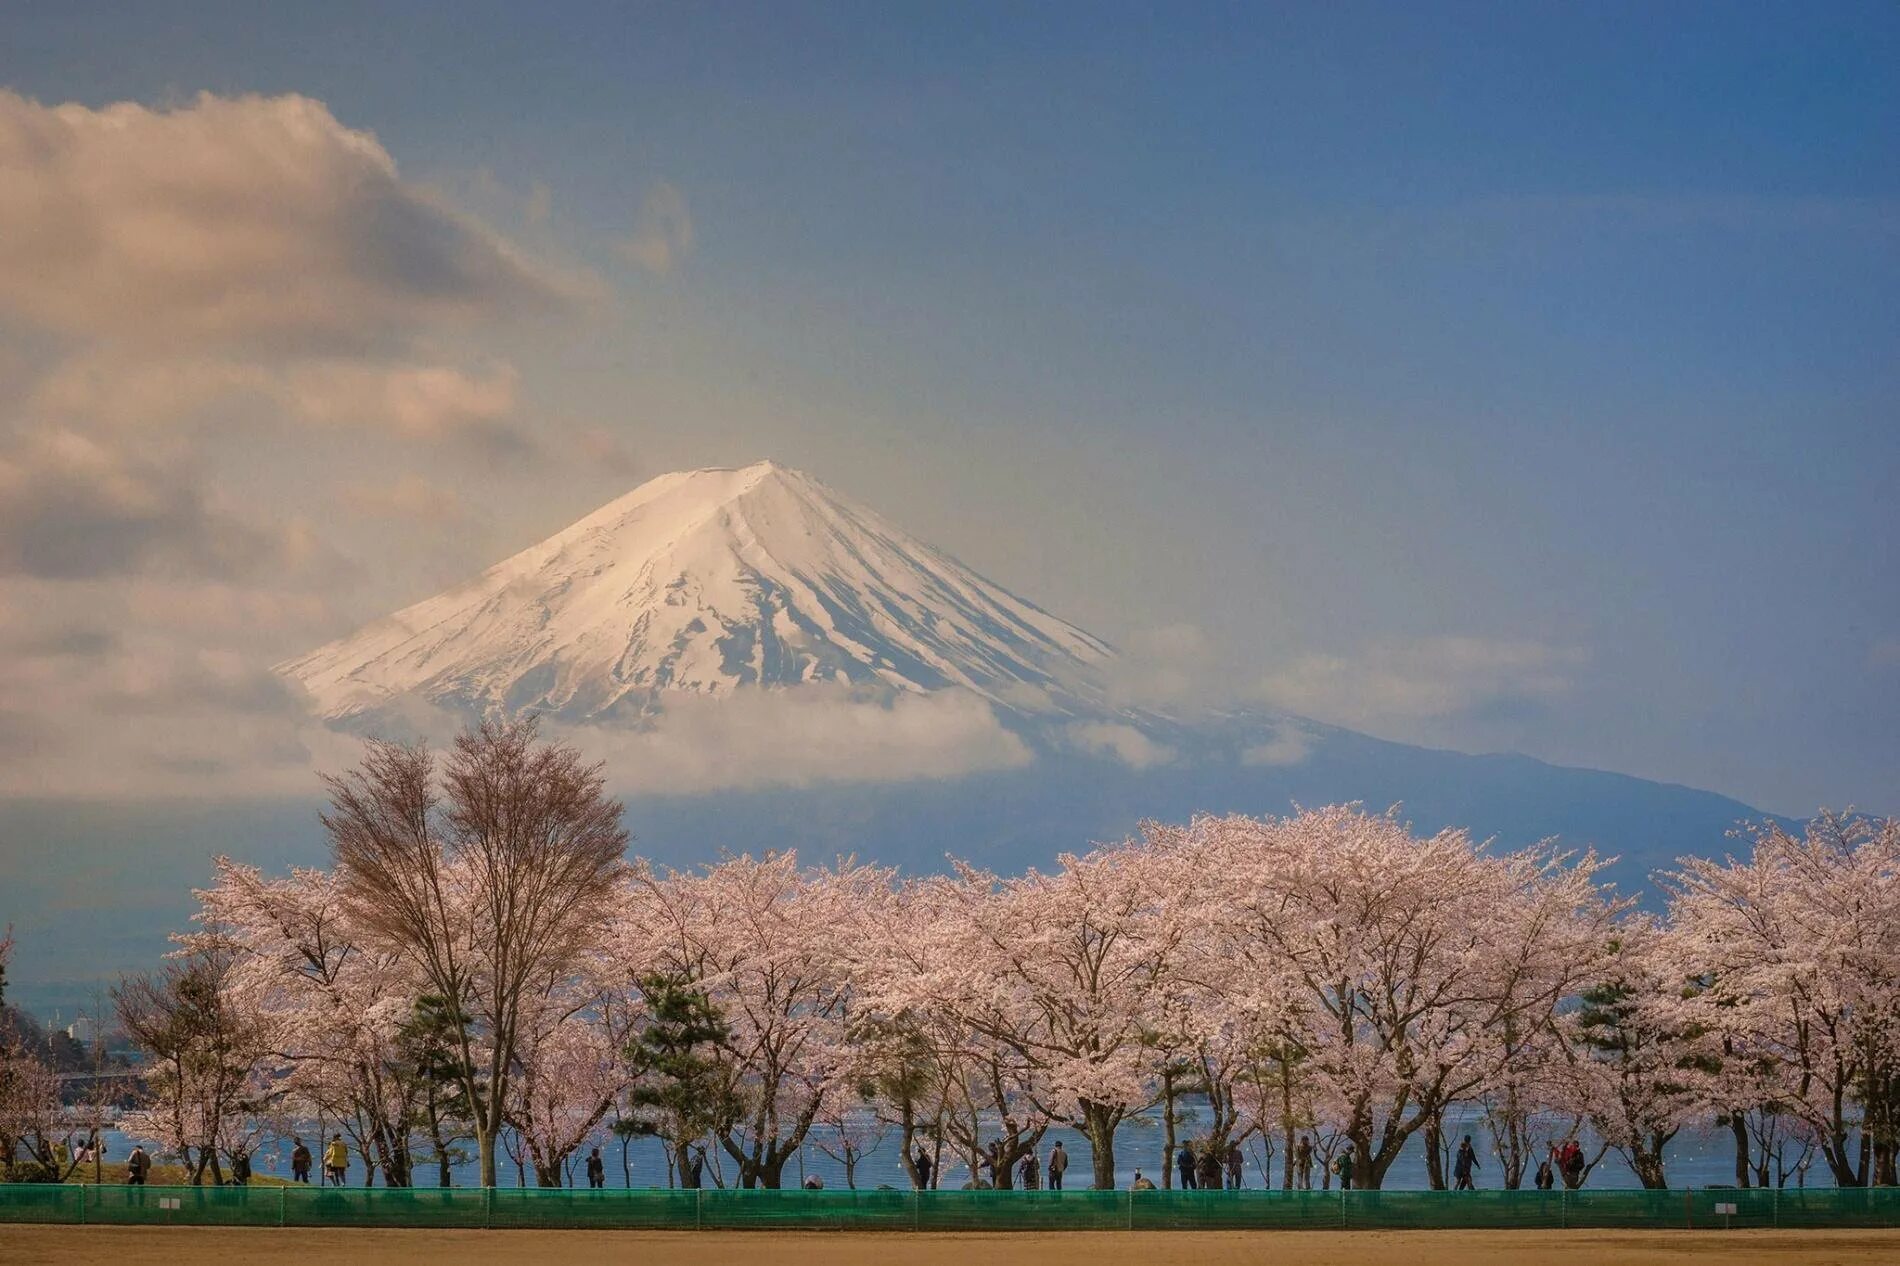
point(707, 582)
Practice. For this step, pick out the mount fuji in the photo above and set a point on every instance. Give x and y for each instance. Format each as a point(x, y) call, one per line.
point(706, 593)
point(710, 582)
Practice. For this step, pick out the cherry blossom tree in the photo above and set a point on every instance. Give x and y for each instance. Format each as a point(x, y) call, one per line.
point(765, 942)
point(204, 1060)
point(331, 1011)
point(1796, 955)
point(1641, 1071)
point(571, 1070)
point(1060, 971)
point(1399, 966)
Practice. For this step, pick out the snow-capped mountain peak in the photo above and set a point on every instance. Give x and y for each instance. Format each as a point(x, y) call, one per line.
point(709, 581)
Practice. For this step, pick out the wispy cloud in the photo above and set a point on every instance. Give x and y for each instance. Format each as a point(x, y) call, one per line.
point(663, 232)
point(1439, 678)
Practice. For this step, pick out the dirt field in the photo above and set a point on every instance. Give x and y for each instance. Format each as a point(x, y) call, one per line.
point(85, 1246)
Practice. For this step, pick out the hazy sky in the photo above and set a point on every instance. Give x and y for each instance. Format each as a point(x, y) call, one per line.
point(1499, 377)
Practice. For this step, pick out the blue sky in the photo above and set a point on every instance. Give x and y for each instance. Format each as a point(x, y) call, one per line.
point(1500, 377)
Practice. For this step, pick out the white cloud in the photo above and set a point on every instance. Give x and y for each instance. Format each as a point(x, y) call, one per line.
point(423, 402)
point(663, 233)
point(241, 220)
point(1399, 683)
point(1291, 744)
point(763, 738)
point(786, 738)
point(1123, 742)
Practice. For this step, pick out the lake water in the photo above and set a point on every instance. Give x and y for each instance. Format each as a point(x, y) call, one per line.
point(1697, 1158)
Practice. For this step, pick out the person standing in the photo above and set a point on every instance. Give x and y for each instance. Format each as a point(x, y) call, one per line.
point(1343, 1167)
point(241, 1170)
point(1184, 1165)
point(1209, 1166)
point(695, 1172)
point(596, 1171)
point(1545, 1179)
point(137, 1165)
point(921, 1163)
point(336, 1161)
point(1462, 1167)
point(299, 1161)
point(1058, 1166)
point(1235, 1165)
point(1303, 1163)
point(1031, 1171)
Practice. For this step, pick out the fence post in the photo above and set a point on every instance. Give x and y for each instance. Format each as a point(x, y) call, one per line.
point(699, 1202)
point(82, 1204)
point(1131, 1208)
point(1688, 1208)
point(283, 1206)
point(488, 1207)
point(1563, 1210)
point(916, 1209)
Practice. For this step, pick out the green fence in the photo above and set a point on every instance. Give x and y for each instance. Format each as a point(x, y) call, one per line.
point(659, 1209)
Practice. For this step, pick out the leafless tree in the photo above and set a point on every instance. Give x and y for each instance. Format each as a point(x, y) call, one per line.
point(495, 884)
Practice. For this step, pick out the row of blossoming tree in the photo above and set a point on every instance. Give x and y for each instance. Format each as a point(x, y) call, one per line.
point(483, 967)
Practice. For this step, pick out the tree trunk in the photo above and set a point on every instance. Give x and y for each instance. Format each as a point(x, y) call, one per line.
point(1738, 1130)
point(485, 1143)
point(1434, 1149)
point(443, 1176)
point(1286, 1125)
point(1167, 1129)
point(1647, 1160)
point(1099, 1122)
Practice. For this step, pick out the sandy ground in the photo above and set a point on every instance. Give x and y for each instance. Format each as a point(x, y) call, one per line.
point(202, 1246)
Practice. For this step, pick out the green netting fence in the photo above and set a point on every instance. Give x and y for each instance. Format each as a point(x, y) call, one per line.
point(711, 1209)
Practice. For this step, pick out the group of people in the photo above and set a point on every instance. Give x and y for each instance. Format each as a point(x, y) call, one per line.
point(1030, 1170)
point(1201, 1168)
point(1566, 1161)
point(336, 1161)
point(1203, 1171)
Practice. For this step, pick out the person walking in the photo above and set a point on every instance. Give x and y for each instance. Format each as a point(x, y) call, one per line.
point(1303, 1163)
point(596, 1171)
point(137, 1165)
point(921, 1163)
point(1031, 1172)
point(1462, 1167)
point(1235, 1165)
point(299, 1161)
point(336, 1161)
point(1058, 1166)
point(1342, 1165)
point(1184, 1165)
